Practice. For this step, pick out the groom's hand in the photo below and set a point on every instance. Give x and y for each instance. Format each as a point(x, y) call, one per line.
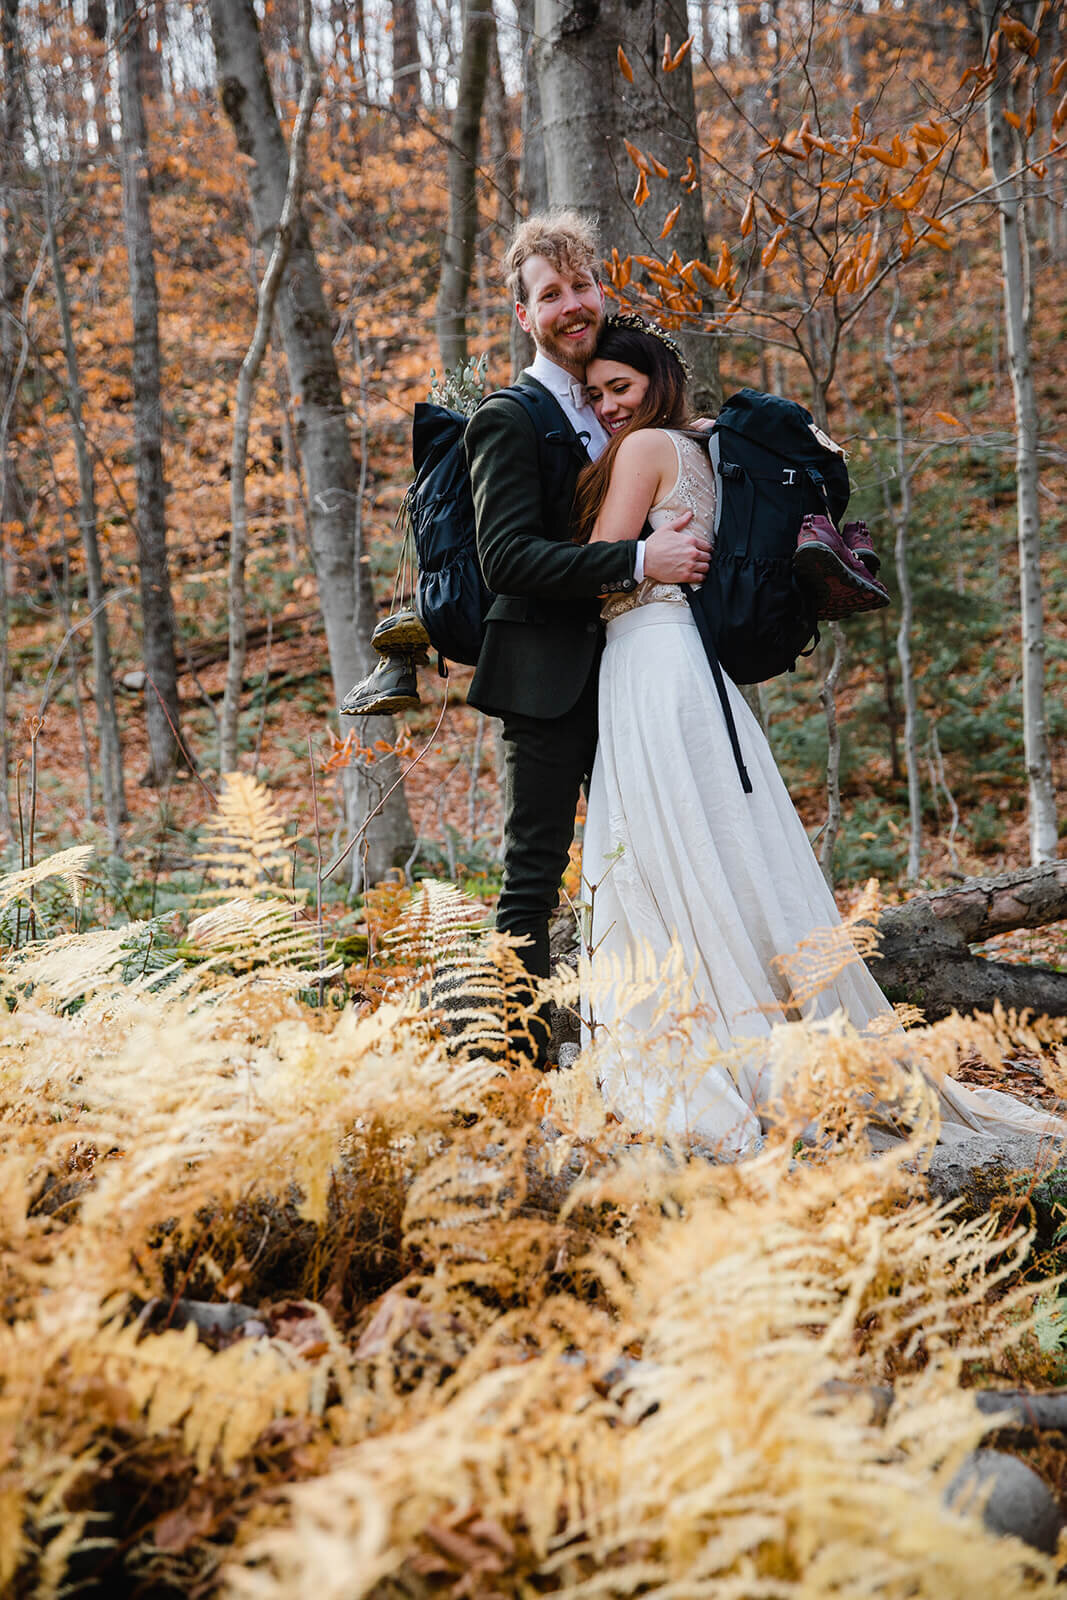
point(673, 555)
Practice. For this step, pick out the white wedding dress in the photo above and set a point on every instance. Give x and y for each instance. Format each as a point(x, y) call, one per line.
point(674, 850)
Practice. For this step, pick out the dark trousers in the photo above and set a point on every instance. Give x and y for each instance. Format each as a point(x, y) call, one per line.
point(546, 762)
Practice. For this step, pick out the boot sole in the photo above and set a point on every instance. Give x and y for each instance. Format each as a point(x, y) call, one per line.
point(381, 705)
point(838, 591)
point(404, 633)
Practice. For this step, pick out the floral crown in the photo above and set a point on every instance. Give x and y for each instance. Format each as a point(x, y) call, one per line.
point(631, 319)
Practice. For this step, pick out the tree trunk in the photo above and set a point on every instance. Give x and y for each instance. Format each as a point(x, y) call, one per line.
point(407, 92)
point(1045, 98)
point(901, 515)
point(588, 107)
point(533, 178)
point(246, 383)
point(1015, 262)
point(498, 121)
point(10, 361)
point(457, 255)
point(111, 773)
point(157, 606)
point(827, 694)
point(330, 469)
point(924, 956)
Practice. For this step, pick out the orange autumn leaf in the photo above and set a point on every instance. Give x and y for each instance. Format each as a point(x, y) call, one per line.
point(1059, 117)
point(1013, 117)
point(658, 168)
point(748, 216)
point(1019, 35)
point(772, 247)
point(639, 160)
point(947, 417)
point(1057, 75)
point(641, 191)
point(670, 219)
point(689, 176)
point(1031, 122)
point(624, 65)
point(670, 63)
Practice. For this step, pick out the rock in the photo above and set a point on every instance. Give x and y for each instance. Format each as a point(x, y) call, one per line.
point(977, 1168)
point(1020, 1503)
point(133, 681)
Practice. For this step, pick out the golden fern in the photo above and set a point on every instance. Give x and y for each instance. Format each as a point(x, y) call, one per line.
point(247, 851)
point(70, 865)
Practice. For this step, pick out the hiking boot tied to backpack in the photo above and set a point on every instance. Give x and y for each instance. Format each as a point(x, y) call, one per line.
point(403, 645)
point(837, 570)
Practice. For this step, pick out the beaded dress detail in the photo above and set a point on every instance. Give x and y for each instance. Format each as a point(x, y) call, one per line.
point(694, 490)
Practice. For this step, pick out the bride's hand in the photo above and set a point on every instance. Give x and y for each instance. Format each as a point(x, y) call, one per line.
point(673, 555)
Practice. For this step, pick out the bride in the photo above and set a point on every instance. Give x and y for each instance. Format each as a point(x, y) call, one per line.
point(676, 854)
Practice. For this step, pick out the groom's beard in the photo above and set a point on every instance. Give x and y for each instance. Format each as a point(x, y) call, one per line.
point(574, 354)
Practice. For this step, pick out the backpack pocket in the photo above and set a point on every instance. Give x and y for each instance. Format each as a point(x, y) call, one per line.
point(760, 619)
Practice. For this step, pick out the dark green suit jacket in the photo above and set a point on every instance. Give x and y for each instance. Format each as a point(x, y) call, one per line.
point(543, 629)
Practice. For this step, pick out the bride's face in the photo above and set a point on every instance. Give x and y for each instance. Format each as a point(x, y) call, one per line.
point(615, 392)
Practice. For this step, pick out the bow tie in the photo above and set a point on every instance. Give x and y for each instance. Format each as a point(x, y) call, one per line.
point(579, 398)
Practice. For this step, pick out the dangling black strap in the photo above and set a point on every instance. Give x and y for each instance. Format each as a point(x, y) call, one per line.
point(720, 685)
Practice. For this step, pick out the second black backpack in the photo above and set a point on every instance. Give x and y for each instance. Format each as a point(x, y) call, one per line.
point(451, 597)
point(772, 468)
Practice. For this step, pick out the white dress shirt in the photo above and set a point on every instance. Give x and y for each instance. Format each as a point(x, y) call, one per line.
point(570, 392)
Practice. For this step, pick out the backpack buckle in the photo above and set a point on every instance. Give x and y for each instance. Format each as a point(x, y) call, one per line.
point(789, 475)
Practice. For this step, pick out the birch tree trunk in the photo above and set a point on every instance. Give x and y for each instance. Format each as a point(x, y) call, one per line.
point(157, 606)
point(827, 694)
point(246, 384)
point(1015, 266)
point(457, 255)
point(330, 470)
point(588, 107)
point(111, 773)
point(901, 515)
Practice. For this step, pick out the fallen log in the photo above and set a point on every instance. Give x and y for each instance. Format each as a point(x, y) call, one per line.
point(925, 958)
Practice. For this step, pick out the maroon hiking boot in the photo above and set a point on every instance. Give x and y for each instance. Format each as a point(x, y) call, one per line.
point(857, 536)
point(837, 581)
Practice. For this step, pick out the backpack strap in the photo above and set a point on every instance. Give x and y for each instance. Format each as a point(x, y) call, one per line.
point(704, 629)
point(556, 444)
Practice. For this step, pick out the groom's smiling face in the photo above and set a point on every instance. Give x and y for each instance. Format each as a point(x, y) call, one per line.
point(563, 311)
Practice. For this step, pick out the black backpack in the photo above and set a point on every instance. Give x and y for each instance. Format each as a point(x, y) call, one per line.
point(451, 596)
point(772, 468)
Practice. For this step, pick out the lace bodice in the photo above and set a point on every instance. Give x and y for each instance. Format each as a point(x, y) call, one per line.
point(694, 490)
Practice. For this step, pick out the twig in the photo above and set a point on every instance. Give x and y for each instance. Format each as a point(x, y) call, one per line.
point(178, 741)
point(318, 876)
point(377, 809)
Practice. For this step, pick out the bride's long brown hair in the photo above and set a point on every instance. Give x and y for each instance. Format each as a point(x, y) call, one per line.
point(664, 406)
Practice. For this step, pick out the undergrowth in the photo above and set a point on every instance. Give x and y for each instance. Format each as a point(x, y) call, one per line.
point(301, 1300)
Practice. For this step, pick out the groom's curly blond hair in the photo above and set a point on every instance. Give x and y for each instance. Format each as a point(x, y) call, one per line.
point(564, 237)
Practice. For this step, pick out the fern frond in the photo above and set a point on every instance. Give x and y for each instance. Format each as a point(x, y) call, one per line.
point(247, 849)
point(70, 865)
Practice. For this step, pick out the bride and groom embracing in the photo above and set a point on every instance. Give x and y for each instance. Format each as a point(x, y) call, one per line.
point(594, 665)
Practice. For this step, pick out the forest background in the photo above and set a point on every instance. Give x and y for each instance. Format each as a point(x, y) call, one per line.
point(309, 1287)
point(826, 171)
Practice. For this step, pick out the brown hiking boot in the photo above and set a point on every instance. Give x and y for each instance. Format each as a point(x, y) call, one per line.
point(836, 580)
point(857, 537)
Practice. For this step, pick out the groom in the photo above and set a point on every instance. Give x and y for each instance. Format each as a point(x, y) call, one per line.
point(538, 667)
